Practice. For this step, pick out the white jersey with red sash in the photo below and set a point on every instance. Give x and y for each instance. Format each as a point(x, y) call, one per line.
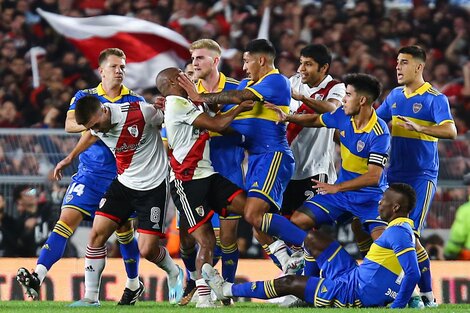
point(136, 143)
point(313, 148)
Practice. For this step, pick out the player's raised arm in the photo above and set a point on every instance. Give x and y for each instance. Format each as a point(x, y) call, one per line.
point(84, 143)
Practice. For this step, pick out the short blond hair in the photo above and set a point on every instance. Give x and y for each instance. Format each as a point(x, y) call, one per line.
point(208, 44)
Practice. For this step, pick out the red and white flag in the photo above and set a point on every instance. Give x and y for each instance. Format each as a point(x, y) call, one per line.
point(149, 47)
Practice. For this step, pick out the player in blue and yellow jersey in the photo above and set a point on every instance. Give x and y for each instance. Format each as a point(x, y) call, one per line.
point(419, 115)
point(365, 141)
point(270, 160)
point(388, 274)
point(96, 171)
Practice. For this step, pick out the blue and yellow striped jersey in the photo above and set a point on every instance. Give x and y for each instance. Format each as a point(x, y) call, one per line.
point(380, 277)
point(98, 159)
point(263, 133)
point(226, 152)
point(414, 154)
point(360, 147)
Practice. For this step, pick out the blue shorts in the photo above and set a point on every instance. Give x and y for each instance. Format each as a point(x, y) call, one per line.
point(268, 176)
point(337, 284)
point(330, 207)
point(84, 194)
point(425, 190)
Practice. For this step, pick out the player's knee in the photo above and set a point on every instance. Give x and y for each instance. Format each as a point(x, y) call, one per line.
point(254, 218)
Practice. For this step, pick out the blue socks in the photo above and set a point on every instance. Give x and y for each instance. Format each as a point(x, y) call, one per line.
point(53, 250)
point(130, 252)
point(279, 226)
point(259, 290)
point(424, 264)
point(229, 262)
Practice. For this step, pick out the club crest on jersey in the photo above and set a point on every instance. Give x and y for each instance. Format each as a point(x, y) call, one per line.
point(68, 198)
point(319, 97)
point(360, 145)
point(200, 211)
point(102, 202)
point(417, 107)
point(133, 130)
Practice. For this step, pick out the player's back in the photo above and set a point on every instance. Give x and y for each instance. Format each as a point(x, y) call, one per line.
point(260, 126)
point(98, 159)
point(414, 153)
point(135, 140)
point(380, 276)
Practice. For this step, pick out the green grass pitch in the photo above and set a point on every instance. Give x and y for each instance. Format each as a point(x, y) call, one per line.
point(152, 307)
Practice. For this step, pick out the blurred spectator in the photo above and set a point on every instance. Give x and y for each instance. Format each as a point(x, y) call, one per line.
point(434, 245)
point(9, 232)
point(458, 245)
point(35, 220)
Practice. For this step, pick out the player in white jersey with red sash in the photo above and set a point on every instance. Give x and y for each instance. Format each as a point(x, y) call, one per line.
point(131, 131)
point(197, 190)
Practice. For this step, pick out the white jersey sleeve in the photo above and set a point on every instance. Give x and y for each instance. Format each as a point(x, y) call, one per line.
point(152, 115)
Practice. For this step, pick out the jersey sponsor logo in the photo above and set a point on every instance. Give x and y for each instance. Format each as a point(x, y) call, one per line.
point(200, 210)
point(253, 286)
point(155, 214)
point(255, 184)
point(391, 293)
point(342, 133)
point(102, 202)
point(133, 130)
point(394, 106)
point(360, 145)
point(125, 147)
point(324, 289)
point(417, 107)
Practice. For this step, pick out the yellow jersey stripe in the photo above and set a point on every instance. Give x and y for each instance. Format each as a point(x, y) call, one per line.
point(352, 162)
point(76, 208)
point(399, 131)
point(334, 254)
point(319, 205)
point(405, 251)
point(259, 111)
point(316, 299)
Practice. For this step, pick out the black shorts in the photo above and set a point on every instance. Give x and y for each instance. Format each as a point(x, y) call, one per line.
point(297, 192)
point(119, 202)
point(196, 200)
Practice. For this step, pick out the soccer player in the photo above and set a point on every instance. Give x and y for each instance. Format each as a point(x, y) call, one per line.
point(388, 274)
point(131, 131)
point(365, 141)
point(270, 160)
point(313, 91)
point(197, 190)
point(96, 171)
point(419, 115)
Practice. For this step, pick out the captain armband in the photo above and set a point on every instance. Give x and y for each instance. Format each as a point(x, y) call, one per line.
point(377, 159)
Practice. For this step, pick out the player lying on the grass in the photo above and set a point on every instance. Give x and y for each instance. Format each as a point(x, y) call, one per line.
point(131, 131)
point(388, 274)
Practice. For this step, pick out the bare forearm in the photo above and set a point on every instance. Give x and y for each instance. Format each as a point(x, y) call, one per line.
point(84, 143)
point(71, 125)
point(230, 96)
point(444, 131)
point(320, 106)
point(359, 182)
point(222, 121)
point(306, 120)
